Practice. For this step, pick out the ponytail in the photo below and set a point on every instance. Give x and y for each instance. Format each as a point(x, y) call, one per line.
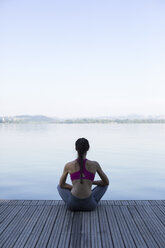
point(80, 160)
point(82, 146)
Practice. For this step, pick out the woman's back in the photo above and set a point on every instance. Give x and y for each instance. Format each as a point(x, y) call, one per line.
point(82, 190)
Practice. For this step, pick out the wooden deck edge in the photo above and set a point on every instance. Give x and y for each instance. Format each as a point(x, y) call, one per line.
point(102, 202)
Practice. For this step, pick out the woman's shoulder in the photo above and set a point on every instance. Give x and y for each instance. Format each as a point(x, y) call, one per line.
point(70, 163)
point(93, 162)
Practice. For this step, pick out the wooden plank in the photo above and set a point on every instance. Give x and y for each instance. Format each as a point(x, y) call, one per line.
point(114, 228)
point(8, 216)
point(124, 203)
point(5, 212)
point(35, 234)
point(49, 202)
point(159, 214)
point(66, 230)
point(75, 238)
point(162, 208)
point(94, 225)
point(86, 229)
point(10, 230)
point(155, 221)
point(155, 226)
point(41, 202)
point(154, 202)
point(110, 202)
point(47, 230)
point(143, 229)
point(61, 203)
point(117, 202)
point(27, 202)
point(57, 228)
point(20, 202)
point(1, 201)
point(55, 202)
point(19, 227)
point(146, 202)
point(103, 202)
point(33, 203)
point(31, 222)
point(131, 202)
point(142, 202)
point(14, 202)
point(134, 231)
point(5, 202)
point(106, 238)
point(2, 208)
point(161, 202)
point(124, 230)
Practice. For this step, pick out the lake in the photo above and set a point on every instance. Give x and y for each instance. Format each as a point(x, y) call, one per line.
point(32, 157)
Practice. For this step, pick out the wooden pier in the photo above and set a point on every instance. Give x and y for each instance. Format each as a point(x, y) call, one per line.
point(116, 224)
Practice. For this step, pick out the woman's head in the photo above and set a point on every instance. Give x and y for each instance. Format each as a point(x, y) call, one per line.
point(82, 146)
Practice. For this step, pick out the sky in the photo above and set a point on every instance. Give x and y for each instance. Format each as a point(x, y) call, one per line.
point(82, 58)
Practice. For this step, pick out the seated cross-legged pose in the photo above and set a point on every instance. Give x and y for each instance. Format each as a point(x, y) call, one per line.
point(80, 196)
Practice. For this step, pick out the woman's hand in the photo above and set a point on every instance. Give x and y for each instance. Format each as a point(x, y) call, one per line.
point(66, 186)
point(99, 182)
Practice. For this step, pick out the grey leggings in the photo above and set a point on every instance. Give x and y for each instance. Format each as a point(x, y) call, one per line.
point(87, 204)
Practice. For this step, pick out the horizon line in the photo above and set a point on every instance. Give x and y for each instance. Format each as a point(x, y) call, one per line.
point(96, 116)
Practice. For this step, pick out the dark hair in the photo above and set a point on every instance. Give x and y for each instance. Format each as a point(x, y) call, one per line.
point(82, 146)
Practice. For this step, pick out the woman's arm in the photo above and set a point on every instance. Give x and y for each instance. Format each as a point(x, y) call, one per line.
point(62, 182)
point(98, 182)
point(105, 180)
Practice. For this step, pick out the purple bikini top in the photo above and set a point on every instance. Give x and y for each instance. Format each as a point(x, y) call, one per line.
point(85, 175)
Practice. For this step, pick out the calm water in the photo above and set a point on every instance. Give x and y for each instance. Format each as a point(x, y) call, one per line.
point(32, 157)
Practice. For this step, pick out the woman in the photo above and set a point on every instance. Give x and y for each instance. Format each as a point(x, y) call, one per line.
point(79, 195)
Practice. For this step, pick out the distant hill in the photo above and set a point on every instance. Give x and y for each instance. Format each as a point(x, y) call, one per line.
point(105, 119)
point(33, 118)
point(25, 119)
